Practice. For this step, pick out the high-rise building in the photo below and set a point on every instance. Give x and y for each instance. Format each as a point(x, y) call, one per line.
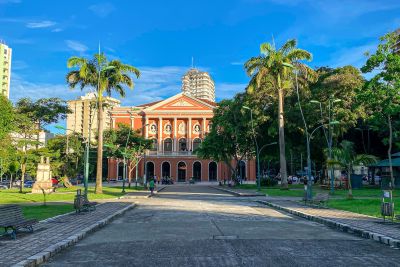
point(198, 84)
point(5, 69)
point(84, 114)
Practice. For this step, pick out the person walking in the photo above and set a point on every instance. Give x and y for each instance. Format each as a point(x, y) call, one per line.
point(151, 185)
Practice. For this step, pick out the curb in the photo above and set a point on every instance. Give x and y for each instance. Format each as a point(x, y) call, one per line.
point(392, 242)
point(236, 193)
point(45, 254)
point(126, 196)
point(156, 192)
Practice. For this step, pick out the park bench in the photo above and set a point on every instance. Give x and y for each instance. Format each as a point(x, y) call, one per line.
point(81, 203)
point(12, 219)
point(320, 199)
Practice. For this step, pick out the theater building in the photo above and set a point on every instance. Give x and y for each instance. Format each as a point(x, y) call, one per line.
point(177, 126)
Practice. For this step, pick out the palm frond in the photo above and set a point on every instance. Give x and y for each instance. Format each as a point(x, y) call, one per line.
point(288, 46)
point(251, 66)
point(76, 62)
point(365, 159)
point(299, 54)
point(266, 48)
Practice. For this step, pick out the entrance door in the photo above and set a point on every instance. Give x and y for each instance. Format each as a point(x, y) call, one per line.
point(166, 170)
point(120, 171)
point(197, 171)
point(242, 170)
point(212, 171)
point(150, 170)
point(181, 171)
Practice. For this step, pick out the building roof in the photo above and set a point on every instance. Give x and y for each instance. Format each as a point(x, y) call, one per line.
point(209, 102)
point(385, 163)
point(149, 104)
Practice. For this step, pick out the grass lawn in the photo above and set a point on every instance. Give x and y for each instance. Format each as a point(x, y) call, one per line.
point(294, 190)
point(43, 212)
point(370, 207)
point(9, 196)
point(366, 200)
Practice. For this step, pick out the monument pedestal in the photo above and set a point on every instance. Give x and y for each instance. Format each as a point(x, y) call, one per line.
point(43, 178)
point(39, 187)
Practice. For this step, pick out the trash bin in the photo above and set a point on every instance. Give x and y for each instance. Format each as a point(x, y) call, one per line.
point(356, 181)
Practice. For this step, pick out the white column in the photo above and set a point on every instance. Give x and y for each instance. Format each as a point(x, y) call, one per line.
point(146, 128)
point(189, 143)
point(132, 122)
point(175, 134)
point(112, 123)
point(160, 131)
point(203, 130)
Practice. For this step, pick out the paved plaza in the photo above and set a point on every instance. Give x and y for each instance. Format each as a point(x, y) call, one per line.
point(52, 235)
point(195, 225)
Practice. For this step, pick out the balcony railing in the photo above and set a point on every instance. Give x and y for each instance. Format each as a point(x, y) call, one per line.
point(170, 153)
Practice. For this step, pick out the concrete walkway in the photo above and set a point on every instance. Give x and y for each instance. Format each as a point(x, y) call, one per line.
point(52, 235)
point(239, 192)
point(366, 226)
point(194, 225)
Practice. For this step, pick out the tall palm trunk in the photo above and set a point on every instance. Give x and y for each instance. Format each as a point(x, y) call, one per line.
point(99, 171)
point(349, 187)
point(282, 154)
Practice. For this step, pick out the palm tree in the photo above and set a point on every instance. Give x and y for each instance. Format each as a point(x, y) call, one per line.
point(346, 158)
point(274, 70)
point(105, 76)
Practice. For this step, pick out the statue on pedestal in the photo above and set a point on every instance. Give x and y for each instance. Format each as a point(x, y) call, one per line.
point(43, 177)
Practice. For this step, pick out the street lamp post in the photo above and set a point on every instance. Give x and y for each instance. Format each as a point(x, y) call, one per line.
point(258, 150)
point(86, 164)
point(329, 138)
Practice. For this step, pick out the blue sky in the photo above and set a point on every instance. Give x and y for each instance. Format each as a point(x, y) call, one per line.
point(160, 38)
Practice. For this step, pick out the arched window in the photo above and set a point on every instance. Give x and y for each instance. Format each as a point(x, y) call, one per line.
point(197, 171)
point(154, 145)
point(182, 144)
point(196, 143)
point(212, 171)
point(168, 144)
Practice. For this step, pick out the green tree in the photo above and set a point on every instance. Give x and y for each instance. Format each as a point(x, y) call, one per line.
point(13, 168)
point(43, 111)
point(273, 71)
point(66, 155)
point(24, 140)
point(382, 93)
point(231, 136)
point(119, 146)
point(105, 77)
point(346, 158)
point(6, 117)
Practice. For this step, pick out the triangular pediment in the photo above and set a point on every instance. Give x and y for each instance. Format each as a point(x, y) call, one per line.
point(181, 102)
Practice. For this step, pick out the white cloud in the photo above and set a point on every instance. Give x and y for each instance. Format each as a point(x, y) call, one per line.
point(352, 56)
point(228, 90)
point(20, 87)
point(76, 46)
point(102, 10)
point(19, 65)
point(57, 30)
point(40, 24)
point(155, 83)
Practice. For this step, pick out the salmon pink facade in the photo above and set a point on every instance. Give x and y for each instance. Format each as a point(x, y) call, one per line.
point(177, 126)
